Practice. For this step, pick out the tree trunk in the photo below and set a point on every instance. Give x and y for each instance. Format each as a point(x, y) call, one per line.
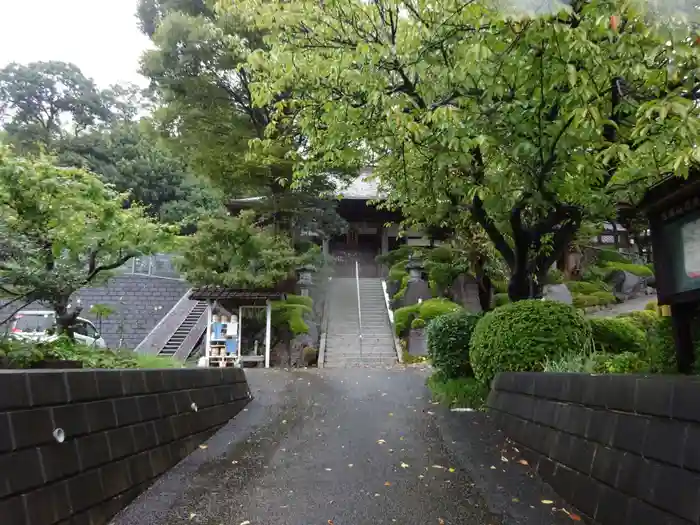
point(66, 318)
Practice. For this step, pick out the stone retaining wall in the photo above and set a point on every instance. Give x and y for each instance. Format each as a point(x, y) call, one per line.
point(623, 449)
point(121, 430)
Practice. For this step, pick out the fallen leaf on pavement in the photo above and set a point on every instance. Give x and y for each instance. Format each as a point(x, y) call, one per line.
point(329, 469)
point(203, 447)
point(441, 521)
point(350, 465)
point(387, 484)
point(391, 414)
point(515, 500)
point(547, 501)
point(438, 466)
point(524, 462)
point(404, 465)
point(234, 462)
point(451, 469)
point(574, 517)
point(192, 515)
point(330, 522)
point(246, 522)
point(380, 441)
point(504, 459)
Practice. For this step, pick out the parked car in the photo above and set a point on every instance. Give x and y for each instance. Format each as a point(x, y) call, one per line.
point(39, 325)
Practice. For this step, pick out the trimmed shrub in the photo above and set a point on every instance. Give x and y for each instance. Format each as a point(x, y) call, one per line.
point(607, 255)
point(584, 301)
point(583, 287)
point(403, 317)
point(652, 306)
point(636, 269)
point(594, 274)
point(448, 342)
point(642, 319)
point(604, 298)
point(462, 392)
point(417, 324)
point(500, 299)
point(399, 255)
point(432, 308)
point(614, 335)
point(398, 271)
point(520, 336)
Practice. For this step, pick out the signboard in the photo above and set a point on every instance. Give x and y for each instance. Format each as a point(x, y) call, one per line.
point(682, 237)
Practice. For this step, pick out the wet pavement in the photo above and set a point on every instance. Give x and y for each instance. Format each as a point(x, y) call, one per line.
point(348, 447)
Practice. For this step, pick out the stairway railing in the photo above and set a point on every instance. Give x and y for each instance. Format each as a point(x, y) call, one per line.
point(359, 305)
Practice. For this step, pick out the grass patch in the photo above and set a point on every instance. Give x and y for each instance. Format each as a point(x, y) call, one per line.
point(462, 392)
point(410, 359)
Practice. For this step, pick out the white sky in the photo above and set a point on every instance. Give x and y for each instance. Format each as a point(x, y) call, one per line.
point(100, 36)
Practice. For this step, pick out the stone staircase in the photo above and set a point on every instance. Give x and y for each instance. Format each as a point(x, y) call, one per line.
point(343, 344)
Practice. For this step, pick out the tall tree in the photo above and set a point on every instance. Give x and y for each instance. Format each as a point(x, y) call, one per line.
point(200, 66)
point(42, 101)
point(62, 229)
point(529, 125)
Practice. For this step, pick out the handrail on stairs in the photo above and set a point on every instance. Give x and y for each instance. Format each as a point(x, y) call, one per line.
point(359, 307)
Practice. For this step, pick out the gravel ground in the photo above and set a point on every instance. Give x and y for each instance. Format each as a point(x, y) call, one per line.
point(348, 447)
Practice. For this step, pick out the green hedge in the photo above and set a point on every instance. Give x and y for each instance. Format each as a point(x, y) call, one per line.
point(604, 298)
point(607, 255)
point(405, 317)
point(500, 299)
point(584, 287)
point(624, 363)
point(584, 301)
point(636, 269)
point(614, 335)
point(521, 336)
point(642, 319)
point(448, 342)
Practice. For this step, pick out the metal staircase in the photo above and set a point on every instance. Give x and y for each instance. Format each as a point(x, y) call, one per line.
point(183, 335)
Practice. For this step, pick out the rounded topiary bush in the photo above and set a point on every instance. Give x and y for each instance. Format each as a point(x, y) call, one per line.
point(521, 336)
point(615, 335)
point(448, 343)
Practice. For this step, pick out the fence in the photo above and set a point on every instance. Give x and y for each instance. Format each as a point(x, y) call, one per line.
point(160, 265)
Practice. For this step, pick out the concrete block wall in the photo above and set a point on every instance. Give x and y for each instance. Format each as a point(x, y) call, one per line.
point(122, 430)
point(623, 449)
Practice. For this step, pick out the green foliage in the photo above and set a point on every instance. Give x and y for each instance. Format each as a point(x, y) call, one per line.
point(289, 314)
point(555, 276)
point(584, 301)
point(310, 356)
point(636, 269)
point(398, 270)
point(621, 363)
point(236, 252)
point(604, 298)
point(410, 359)
point(418, 324)
point(425, 311)
point(645, 320)
point(661, 352)
point(500, 286)
point(500, 299)
point(47, 100)
point(448, 343)
point(22, 354)
point(583, 287)
point(652, 306)
point(460, 392)
point(62, 229)
point(594, 274)
point(607, 255)
point(573, 363)
point(513, 124)
point(521, 336)
point(394, 257)
point(614, 335)
point(404, 317)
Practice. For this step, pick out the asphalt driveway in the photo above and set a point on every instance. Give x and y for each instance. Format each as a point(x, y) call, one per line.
point(348, 447)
